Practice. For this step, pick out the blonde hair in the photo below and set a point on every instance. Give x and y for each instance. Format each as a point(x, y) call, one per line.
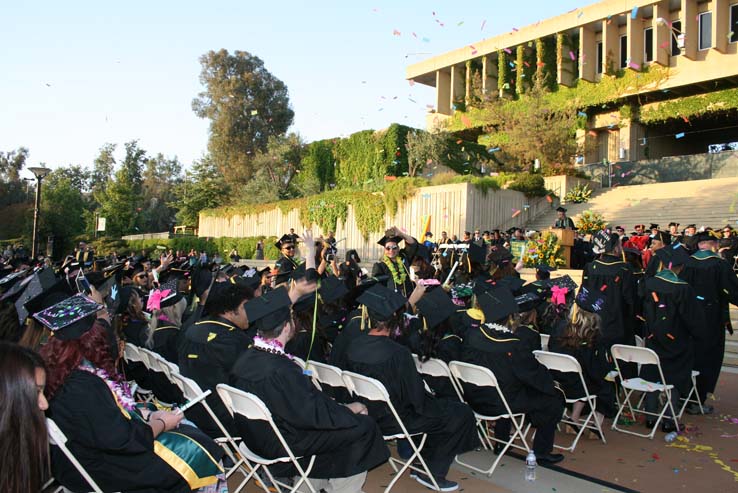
point(583, 326)
point(173, 313)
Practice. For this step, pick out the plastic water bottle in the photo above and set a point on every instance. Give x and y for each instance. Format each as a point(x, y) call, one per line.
point(670, 437)
point(530, 467)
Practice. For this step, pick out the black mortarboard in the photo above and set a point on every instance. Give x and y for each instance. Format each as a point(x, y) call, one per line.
point(483, 283)
point(306, 303)
point(513, 283)
point(284, 240)
point(477, 253)
point(38, 284)
point(528, 301)
point(385, 239)
point(662, 236)
point(250, 278)
point(122, 298)
point(332, 289)
point(302, 271)
point(201, 279)
point(497, 303)
point(268, 311)
point(705, 236)
point(564, 281)
point(689, 226)
point(590, 300)
point(15, 289)
point(70, 318)
point(676, 257)
point(653, 226)
point(604, 241)
point(8, 280)
point(545, 268)
point(423, 252)
point(381, 302)
point(435, 306)
point(560, 209)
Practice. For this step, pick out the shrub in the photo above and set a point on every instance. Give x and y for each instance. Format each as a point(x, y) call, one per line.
point(579, 194)
point(529, 184)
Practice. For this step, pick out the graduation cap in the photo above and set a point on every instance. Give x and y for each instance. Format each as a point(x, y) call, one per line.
point(381, 302)
point(497, 303)
point(385, 239)
point(122, 298)
point(71, 318)
point(306, 303)
point(477, 254)
point(166, 295)
point(423, 252)
point(564, 281)
point(435, 307)
point(501, 257)
point(513, 283)
point(15, 288)
point(590, 301)
point(35, 286)
point(560, 209)
point(676, 257)
point(705, 236)
point(662, 237)
point(8, 280)
point(250, 278)
point(268, 311)
point(302, 271)
point(676, 225)
point(604, 241)
point(284, 240)
point(201, 280)
point(332, 289)
point(653, 226)
point(528, 301)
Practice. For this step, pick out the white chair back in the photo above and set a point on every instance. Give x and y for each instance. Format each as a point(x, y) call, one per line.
point(639, 341)
point(544, 341)
point(366, 387)
point(327, 374)
point(634, 354)
point(131, 352)
point(299, 361)
point(558, 362)
point(416, 360)
point(243, 403)
point(58, 438)
point(438, 368)
point(473, 374)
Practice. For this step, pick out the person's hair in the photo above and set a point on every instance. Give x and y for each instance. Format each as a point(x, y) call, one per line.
point(33, 334)
point(425, 269)
point(429, 339)
point(507, 270)
point(394, 324)
point(23, 447)
point(64, 356)
point(277, 331)
point(584, 328)
point(228, 298)
point(173, 313)
point(552, 316)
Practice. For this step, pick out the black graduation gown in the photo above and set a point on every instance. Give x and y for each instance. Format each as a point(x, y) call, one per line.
point(450, 424)
point(715, 285)
point(525, 383)
point(659, 260)
point(300, 344)
point(402, 261)
point(529, 337)
point(613, 279)
point(285, 265)
point(117, 452)
point(165, 342)
point(351, 331)
point(310, 422)
point(207, 351)
point(674, 317)
point(134, 333)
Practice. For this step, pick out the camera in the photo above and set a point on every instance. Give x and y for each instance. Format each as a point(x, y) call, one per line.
point(330, 253)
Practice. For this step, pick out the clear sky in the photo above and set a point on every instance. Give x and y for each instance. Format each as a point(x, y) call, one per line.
point(77, 74)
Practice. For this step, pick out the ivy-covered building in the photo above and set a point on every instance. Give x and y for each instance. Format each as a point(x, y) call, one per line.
point(658, 79)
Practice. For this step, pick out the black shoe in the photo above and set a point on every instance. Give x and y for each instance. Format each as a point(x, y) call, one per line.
point(497, 448)
point(549, 459)
point(443, 483)
point(650, 423)
point(668, 426)
point(694, 409)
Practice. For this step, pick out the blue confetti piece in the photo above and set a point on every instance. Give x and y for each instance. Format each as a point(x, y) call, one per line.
point(701, 298)
point(634, 12)
point(679, 135)
point(582, 113)
point(307, 372)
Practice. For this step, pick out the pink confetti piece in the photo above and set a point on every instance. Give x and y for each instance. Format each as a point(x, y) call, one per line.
point(395, 32)
point(507, 50)
point(572, 55)
point(634, 66)
point(415, 35)
point(411, 82)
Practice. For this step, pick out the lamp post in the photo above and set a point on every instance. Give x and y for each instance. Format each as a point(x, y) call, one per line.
point(39, 172)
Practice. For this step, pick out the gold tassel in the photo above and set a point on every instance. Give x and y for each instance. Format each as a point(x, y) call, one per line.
point(364, 316)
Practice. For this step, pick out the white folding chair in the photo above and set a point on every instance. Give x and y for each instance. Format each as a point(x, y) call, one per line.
point(416, 360)
point(483, 377)
point(568, 364)
point(641, 356)
point(438, 368)
point(131, 353)
point(693, 396)
point(374, 390)
point(544, 341)
point(325, 374)
point(253, 408)
point(135, 354)
point(639, 341)
point(58, 438)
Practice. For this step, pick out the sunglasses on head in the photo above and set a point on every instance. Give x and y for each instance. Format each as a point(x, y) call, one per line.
point(393, 247)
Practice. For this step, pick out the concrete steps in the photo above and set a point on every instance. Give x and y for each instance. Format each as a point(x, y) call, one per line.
point(702, 202)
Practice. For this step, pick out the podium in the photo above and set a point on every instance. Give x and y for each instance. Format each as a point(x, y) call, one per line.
point(566, 240)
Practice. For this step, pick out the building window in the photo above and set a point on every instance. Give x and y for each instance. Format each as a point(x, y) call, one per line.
point(734, 23)
point(623, 51)
point(599, 57)
point(705, 20)
point(648, 44)
point(676, 30)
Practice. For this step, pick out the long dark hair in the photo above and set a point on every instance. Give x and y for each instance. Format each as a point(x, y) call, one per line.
point(63, 357)
point(24, 441)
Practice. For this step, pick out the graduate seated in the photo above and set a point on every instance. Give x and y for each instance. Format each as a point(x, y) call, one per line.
point(346, 441)
point(122, 447)
point(449, 424)
point(525, 383)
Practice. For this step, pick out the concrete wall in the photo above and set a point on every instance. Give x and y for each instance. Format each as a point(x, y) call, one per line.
point(453, 208)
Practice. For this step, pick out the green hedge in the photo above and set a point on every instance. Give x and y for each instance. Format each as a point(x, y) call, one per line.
point(246, 246)
point(529, 184)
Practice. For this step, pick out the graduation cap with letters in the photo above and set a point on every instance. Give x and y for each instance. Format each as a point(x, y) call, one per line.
point(604, 241)
point(528, 301)
point(381, 302)
point(564, 281)
point(70, 318)
point(590, 301)
point(435, 307)
point(268, 311)
point(497, 303)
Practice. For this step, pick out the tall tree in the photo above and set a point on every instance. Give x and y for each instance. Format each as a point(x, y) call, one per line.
point(424, 148)
point(160, 177)
point(63, 206)
point(246, 105)
point(103, 166)
point(203, 188)
point(12, 188)
point(276, 168)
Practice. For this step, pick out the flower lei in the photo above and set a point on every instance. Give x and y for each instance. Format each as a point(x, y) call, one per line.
point(498, 327)
point(271, 346)
point(398, 276)
point(120, 390)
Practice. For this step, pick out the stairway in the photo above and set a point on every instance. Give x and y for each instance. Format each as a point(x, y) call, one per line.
point(701, 202)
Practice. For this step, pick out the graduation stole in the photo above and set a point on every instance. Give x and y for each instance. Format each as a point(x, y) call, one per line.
point(398, 276)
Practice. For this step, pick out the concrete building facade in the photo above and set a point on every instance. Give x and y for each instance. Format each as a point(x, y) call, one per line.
point(669, 69)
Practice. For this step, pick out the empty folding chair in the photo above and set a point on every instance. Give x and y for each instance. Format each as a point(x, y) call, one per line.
point(251, 407)
point(641, 356)
point(483, 377)
point(374, 390)
point(568, 364)
point(58, 438)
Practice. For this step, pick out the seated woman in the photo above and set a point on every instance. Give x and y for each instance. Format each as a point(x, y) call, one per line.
point(122, 448)
point(23, 448)
point(167, 307)
point(582, 339)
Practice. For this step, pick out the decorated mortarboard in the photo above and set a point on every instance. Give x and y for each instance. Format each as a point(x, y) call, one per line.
point(250, 278)
point(435, 306)
point(332, 289)
point(18, 286)
point(383, 241)
point(528, 301)
point(564, 281)
point(604, 240)
point(477, 254)
point(166, 295)
point(460, 291)
point(36, 286)
point(12, 278)
point(381, 302)
point(58, 291)
point(591, 301)
point(284, 240)
point(70, 318)
point(268, 311)
point(497, 304)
